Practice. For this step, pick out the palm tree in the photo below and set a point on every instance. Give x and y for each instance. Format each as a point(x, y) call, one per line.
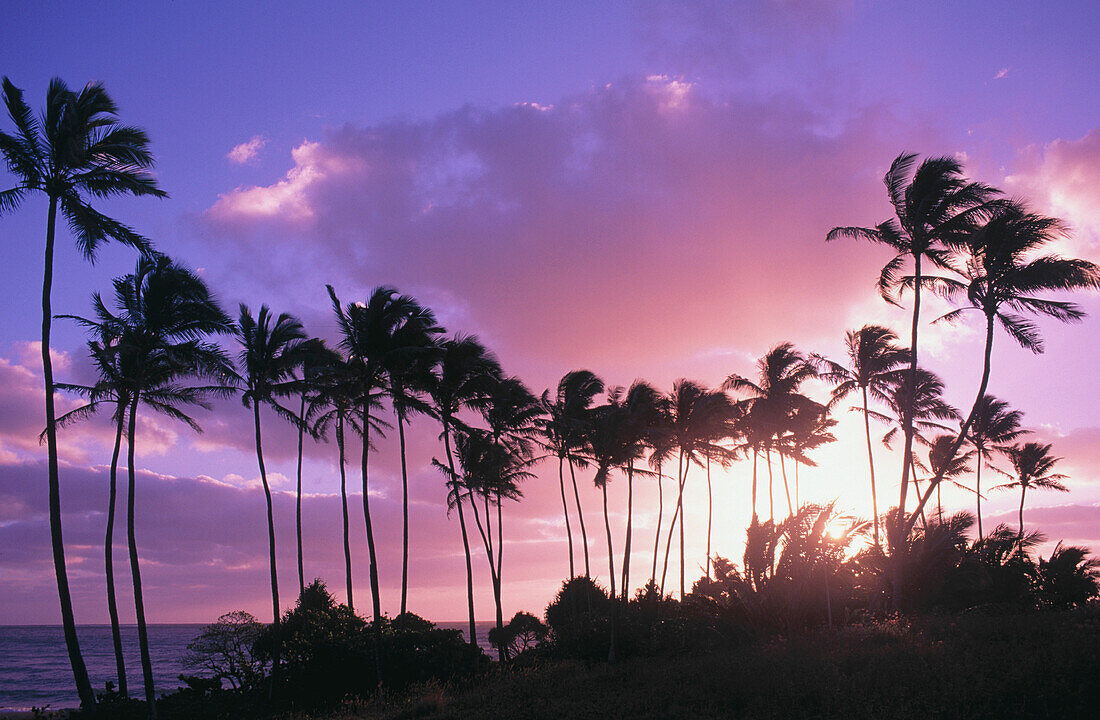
point(367, 332)
point(76, 149)
point(874, 360)
point(935, 208)
point(1033, 463)
point(695, 413)
point(662, 441)
point(1003, 276)
point(270, 353)
point(562, 430)
point(163, 313)
point(408, 365)
point(463, 379)
point(947, 466)
point(335, 404)
point(315, 358)
point(995, 425)
point(772, 399)
point(642, 407)
point(493, 469)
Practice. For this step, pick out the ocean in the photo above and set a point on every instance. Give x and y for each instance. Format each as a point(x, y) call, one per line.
point(35, 671)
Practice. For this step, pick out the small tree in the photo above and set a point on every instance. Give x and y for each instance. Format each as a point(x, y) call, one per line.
point(523, 632)
point(226, 650)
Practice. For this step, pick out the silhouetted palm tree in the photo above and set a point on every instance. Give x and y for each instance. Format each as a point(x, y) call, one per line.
point(874, 360)
point(77, 148)
point(412, 353)
point(163, 312)
point(563, 429)
point(772, 399)
point(642, 406)
point(336, 403)
point(464, 378)
point(947, 466)
point(315, 357)
point(1033, 464)
point(1003, 276)
point(367, 332)
point(662, 441)
point(935, 208)
point(995, 424)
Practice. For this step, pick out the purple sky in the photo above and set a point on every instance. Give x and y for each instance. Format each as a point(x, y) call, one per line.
point(640, 189)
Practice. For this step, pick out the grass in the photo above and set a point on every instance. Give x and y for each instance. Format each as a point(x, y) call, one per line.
point(973, 666)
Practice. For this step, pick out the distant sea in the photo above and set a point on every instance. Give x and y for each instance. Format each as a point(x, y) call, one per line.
point(35, 671)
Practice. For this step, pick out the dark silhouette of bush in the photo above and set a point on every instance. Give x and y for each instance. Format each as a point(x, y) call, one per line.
point(225, 651)
point(522, 633)
point(579, 619)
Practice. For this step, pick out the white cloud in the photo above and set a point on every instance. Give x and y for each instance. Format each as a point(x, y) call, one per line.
point(247, 151)
point(1001, 74)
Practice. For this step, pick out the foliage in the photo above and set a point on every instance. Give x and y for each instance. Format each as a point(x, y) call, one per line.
point(523, 632)
point(225, 650)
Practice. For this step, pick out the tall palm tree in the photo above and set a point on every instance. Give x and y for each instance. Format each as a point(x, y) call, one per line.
point(563, 428)
point(695, 412)
point(642, 407)
point(408, 364)
point(367, 332)
point(662, 441)
point(947, 466)
point(1003, 275)
point(315, 358)
point(163, 312)
point(463, 380)
point(335, 403)
point(77, 148)
point(935, 208)
point(491, 468)
point(271, 351)
point(773, 398)
point(995, 425)
point(874, 360)
point(1033, 464)
point(929, 410)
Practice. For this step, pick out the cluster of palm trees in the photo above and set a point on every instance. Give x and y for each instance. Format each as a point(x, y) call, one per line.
point(154, 347)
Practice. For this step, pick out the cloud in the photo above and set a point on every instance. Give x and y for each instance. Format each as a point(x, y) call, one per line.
point(248, 151)
point(546, 227)
point(1061, 178)
point(1001, 74)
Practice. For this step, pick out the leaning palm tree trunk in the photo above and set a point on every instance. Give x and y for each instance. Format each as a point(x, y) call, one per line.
point(565, 514)
point(465, 537)
point(68, 621)
point(135, 569)
point(978, 491)
point(629, 522)
point(270, 549)
point(710, 512)
point(771, 486)
point(871, 464)
point(660, 512)
point(404, 514)
point(786, 487)
point(580, 516)
point(610, 549)
point(108, 555)
point(298, 501)
point(376, 598)
point(1023, 494)
point(344, 508)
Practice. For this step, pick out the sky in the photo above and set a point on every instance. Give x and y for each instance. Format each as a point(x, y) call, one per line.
point(640, 189)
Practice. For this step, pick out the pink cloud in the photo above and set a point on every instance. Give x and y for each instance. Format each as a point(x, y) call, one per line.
point(247, 151)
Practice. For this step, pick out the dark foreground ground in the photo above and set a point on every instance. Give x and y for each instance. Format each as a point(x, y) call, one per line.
point(976, 666)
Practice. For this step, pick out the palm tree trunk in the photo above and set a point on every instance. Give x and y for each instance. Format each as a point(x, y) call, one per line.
point(135, 569)
point(502, 649)
point(871, 464)
point(344, 509)
point(1023, 493)
point(108, 556)
point(675, 515)
point(486, 540)
point(907, 416)
point(660, 512)
point(629, 521)
point(565, 513)
point(270, 549)
point(376, 598)
point(404, 515)
point(978, 492)
point(465, 538)
point(580, 516)
point(68, 621)
point(710, 507)
point(298, 502)
point(935, 481)
point(610, 550)
point(786, 487)
point(755, 452)
point(771, 492)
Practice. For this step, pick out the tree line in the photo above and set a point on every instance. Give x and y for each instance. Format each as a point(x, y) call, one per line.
point(155, 345)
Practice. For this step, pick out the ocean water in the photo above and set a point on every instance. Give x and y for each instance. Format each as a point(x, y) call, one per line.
point(35, 671)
